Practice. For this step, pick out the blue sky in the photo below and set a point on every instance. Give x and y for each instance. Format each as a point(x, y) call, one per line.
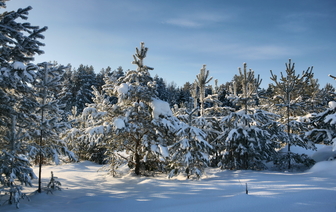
point(182, 35)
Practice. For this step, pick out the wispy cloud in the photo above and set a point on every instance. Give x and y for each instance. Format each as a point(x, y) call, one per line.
point(183, 22)
point(237, 50)
point(198, 19)
point(300, 22)
point(267, 52)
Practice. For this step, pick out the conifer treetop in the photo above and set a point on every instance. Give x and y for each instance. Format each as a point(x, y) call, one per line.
point(19, 41)
point(288, 83)
point(202, 77)
point(139, 56)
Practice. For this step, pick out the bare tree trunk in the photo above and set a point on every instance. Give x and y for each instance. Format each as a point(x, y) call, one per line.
point(137, 158)
point(41, 134)
point(40, 158)
point(289, 141)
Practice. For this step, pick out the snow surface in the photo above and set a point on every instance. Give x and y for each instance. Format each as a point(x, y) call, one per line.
point(85, 189)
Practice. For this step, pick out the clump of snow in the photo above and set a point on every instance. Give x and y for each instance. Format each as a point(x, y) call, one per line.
point(88, 110)
point(330, 118)
point(160, 107)
point(164, 151)
point(119, 123)
point(122, 88)
point(18, 66)
point(332, 105)
point(95, 130)
point(305, 118)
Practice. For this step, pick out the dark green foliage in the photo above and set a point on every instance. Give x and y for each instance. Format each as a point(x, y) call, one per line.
point(297, 161)
point(77, 88)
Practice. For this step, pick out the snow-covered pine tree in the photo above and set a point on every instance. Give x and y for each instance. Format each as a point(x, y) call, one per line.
point(48, 144)
point(287, 97)
point(89, 129)
point(246, 138)
point(247, 146)
point(138, 117)
point(323, 127)
point(201, 81)
point(211, 123)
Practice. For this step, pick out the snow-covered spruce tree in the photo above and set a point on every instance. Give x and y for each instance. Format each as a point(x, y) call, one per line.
point(211, 124)
point(48, 144)
point(201, 81)
point(161, 88)
point(14, 166)
point(138, 117)
point(287, 97)
point(324, 127)
point(77, 88)
point(248, 146)
point(89, 128)
point(324, 124)
point(19, 43)
point(190, 154)
point(312, 101)
point(84, 78)
point(246, 139)
point(327, 94)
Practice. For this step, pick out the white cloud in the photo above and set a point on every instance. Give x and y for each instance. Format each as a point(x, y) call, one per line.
point(300, 22)
point(183, 22)
point(266, 52)
point(198, 19)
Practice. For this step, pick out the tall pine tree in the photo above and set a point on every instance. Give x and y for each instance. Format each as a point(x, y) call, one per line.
point(287, 98)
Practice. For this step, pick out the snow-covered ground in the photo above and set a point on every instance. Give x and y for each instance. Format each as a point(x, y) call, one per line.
point(85, 189)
